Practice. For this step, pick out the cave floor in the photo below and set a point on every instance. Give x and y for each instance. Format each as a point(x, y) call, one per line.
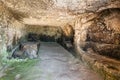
point(56, 63)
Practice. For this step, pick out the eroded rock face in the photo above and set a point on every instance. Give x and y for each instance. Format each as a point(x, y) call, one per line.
point(100, 32)
point(71, 5)
point(55, 12)
point(10, 28)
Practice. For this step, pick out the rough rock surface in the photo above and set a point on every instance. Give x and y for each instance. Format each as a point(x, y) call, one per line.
point(56, 12)
point(10, 29)
point(71, 5)
point(100, 32)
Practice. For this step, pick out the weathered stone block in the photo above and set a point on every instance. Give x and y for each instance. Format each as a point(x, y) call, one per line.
point(30, 49)
point(27, 50)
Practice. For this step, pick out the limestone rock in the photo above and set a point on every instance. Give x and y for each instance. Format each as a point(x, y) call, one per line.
point(30, 49)
point(27, 50)
point(101, 33)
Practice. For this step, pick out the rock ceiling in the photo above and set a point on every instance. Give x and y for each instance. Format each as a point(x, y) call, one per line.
point(56, 12)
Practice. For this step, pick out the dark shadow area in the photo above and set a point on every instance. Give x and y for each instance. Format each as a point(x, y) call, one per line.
point(66, 42)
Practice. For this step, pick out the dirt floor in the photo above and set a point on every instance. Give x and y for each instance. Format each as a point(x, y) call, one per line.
point(55, 63)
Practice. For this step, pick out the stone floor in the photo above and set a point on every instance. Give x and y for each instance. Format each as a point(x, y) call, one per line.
point(56, 63)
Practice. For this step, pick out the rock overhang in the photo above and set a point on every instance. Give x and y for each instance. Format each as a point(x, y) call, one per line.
point(57, 12)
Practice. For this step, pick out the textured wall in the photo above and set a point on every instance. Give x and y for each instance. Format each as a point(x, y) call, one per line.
point(99, 32)
point(10, 30)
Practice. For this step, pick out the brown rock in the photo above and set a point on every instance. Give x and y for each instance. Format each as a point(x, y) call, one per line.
point(100, 33)
point(30, 49)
